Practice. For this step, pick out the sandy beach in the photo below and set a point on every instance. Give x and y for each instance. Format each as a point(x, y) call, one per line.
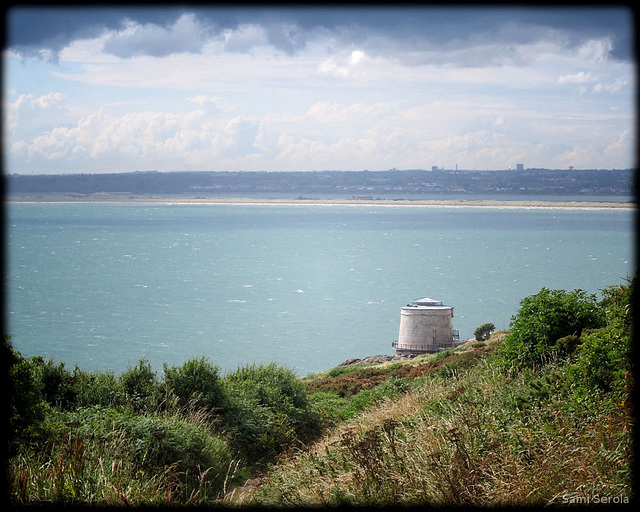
point(453, 203)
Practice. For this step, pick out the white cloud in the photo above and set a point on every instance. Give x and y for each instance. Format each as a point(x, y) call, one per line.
point(610, 87)
point(596, 50)
point(283, 96)
point(577, 78)
point(343, 67)
point(621, 149)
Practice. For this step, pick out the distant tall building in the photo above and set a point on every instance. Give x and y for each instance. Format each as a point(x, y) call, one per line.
point(519, 167)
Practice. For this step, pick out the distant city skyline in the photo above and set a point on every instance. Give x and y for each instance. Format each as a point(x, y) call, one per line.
point(115, 89)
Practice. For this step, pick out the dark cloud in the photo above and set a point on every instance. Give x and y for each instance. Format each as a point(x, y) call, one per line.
point(289, 29)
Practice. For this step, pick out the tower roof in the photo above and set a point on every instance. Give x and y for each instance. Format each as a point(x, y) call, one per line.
point(427, 301)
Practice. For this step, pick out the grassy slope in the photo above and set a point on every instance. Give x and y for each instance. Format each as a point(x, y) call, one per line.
point(452, 429)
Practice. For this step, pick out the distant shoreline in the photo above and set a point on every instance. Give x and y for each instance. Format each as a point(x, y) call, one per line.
point(454, 203)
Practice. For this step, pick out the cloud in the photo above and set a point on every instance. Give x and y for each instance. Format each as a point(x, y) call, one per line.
point(610, 87)
point(596, 50)
point(185, 35)
point(343, 67)
point(44, 31)
point(576, 78)
point(31, 113)
point(211, 104)
point(378, 31)
point(343, 88)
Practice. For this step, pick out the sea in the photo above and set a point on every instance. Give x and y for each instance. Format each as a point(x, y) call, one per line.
point(102, 285)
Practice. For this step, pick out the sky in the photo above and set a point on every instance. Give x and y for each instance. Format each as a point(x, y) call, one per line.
point(193, 88)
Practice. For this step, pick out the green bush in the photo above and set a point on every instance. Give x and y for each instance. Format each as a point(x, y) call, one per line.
point(140, 385)
point(58, 387)
point(196, 384)
point(99, 389)
point(267, 410)
point(329, 406)
point(26, 409)
point(603, 361)
point(543, 319)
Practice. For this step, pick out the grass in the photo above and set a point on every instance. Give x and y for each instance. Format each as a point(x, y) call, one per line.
point(452, 428)
point(468, 434)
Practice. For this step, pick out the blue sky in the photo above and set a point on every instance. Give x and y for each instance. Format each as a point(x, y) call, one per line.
point(111, 89)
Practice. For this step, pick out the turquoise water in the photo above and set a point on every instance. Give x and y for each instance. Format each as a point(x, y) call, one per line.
point(101, 285)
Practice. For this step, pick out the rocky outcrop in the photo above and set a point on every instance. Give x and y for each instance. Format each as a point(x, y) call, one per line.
point(377, 359)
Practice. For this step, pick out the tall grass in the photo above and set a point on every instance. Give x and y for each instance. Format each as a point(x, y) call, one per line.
point(101, 456)
point(479, 437)
point(468, 426)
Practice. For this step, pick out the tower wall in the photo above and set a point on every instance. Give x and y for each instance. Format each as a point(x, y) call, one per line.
point(425, 329)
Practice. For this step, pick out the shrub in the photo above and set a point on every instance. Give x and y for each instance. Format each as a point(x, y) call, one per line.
point(543, 319)
point(329, 406)
point(603, 361)
point(139, 384)
point(267, 410)
point(98, 389)
point(196, 384)
point(391, 388)
point(57, 383)
point(26, 409)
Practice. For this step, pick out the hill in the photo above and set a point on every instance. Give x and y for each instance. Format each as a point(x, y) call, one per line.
point(540, 414)
point(359, 184)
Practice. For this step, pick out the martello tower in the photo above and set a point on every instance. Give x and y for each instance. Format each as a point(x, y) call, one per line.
point(425, 327)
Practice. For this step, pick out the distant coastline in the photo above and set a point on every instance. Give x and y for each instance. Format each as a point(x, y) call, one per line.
point(457, 203)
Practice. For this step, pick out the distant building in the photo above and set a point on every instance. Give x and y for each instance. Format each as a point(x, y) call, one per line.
point(519, 167)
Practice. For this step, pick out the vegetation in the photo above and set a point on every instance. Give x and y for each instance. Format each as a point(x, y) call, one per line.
point(540, 414)
point(483, 332)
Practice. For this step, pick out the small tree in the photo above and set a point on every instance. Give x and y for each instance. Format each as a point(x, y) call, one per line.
point(483, 332)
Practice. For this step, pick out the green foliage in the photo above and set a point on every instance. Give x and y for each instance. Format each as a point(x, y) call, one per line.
point(140, 385)
point(26, 410)
point(483, 332)
point(57, 383)
point(266, 410)
point(543, 319)
point(603, 361)
point(337, 371)
point(196, 384)
point(457, 362)
point(95, 451)
point(94, 438)
point(69, 390)
point(99, 389)
point(389, 389)
point(443, 354)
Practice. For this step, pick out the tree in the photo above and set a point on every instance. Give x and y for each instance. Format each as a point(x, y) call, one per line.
point(483, 332)
point(545, 318)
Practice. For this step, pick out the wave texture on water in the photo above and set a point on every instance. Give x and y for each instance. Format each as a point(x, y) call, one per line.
point(102, 285)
